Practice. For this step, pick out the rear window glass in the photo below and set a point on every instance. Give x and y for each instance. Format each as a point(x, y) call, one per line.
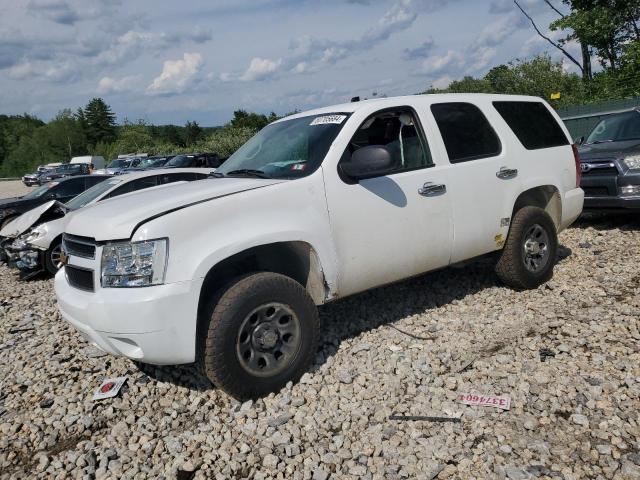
point(466, 132)
point(533, 124)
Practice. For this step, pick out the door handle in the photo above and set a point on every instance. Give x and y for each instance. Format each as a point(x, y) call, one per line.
point(430, 189)
point(506, 173)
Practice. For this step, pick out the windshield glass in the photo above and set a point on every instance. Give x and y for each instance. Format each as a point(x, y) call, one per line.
point(617, 128)
point(40, 191)
point(180, 161)
point(119, 163)
point(92, 193)
point(289, 148)
point(151, 162)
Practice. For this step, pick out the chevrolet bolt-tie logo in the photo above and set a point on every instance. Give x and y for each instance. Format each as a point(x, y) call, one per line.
point(64, 258)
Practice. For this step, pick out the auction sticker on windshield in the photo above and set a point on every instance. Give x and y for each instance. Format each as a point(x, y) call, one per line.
point(328, 119)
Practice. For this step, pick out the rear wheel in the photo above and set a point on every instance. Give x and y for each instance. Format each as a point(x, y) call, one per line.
point(261, 333)
point(53, 257)
point(529, 254)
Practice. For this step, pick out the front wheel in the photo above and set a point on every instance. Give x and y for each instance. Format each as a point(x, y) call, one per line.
point(529, 254)
point(261, 333)
point(53, 258)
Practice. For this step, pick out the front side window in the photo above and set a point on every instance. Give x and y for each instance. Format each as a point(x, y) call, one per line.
point(532, 123)
point(398, 130)
point(70, 188)
point(92, 193)
point(287, 149)
point(180, 161)
point(466, 132)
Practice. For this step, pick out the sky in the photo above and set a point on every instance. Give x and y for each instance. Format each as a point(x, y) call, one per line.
point(173, 62)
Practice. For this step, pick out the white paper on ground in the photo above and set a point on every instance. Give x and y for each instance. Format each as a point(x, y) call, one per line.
point(109, 388)
point(503, 401)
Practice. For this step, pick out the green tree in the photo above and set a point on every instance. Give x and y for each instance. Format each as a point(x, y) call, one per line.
point(99, 122)
point(193, 133)
point(134, 138)
point(254, 121)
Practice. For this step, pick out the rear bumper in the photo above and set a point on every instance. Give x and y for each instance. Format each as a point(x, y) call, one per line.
point(571, 207)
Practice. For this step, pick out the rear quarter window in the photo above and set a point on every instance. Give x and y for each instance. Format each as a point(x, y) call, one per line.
point(533, 124)
point(466, 132)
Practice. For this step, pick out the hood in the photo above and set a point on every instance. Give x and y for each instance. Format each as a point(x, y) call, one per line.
point(25, 221)
point(6, 202)
point(609, 150)
point(125, 213)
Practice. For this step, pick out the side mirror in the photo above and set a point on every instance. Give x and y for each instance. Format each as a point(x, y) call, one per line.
point(51, 196)
point(368, 162)
point(579, 141)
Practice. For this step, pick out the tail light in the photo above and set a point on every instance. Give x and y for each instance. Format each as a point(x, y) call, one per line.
point(576, 157)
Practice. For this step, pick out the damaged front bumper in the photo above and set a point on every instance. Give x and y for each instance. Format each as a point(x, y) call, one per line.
point(26, 258)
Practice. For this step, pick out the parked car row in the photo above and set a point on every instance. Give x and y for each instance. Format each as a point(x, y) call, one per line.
point(32, 241)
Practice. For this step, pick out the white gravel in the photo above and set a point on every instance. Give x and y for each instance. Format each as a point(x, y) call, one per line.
point(408, 349)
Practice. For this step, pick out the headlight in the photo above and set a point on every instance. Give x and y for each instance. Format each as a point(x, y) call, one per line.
point(134, 264)
point(633, 162)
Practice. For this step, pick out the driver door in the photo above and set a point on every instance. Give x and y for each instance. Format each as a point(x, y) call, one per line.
point(396, 224)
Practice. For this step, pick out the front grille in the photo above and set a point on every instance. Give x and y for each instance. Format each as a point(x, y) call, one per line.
point(595, 191)
point(84, 247)
point(599, 167)
point(80, 278)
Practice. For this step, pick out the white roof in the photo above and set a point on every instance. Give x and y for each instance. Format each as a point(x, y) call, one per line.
point(388, 102)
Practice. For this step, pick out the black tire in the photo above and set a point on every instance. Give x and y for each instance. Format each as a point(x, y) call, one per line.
point(514, 266)
point(230, 315)
point(50, 265)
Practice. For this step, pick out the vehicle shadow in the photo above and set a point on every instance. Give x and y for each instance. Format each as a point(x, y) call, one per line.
point(627, 221)
point(350, 317)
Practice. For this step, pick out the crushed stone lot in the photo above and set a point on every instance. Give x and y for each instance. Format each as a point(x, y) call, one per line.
point(13, 188)
point(567, 354)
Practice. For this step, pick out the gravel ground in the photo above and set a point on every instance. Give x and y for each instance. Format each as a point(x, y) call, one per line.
point(13, 188)
point(409, 348)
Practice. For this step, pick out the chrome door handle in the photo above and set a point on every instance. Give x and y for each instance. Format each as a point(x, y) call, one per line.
point(430, 189)
point(506, 173)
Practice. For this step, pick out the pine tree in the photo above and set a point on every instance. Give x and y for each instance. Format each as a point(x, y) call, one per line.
point(99, 121)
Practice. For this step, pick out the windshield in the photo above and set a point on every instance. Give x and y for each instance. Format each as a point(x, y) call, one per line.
point(119, 163)
point(180, 161)
point(289, 148)
point(617, 128)
point(40, 191)
point(151, 162)
point(92, 193)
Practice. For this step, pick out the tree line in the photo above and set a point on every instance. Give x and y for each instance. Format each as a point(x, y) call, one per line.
point(26, 141)
point(607, 30)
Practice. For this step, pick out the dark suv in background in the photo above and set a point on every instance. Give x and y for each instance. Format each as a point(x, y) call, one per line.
point(610, 157)
point(63, 171)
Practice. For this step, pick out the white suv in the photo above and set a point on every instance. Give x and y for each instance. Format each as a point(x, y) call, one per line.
point(227, 272)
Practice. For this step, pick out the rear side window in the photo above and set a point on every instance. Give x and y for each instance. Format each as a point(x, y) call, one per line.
point(533, 124)
point(466, 132)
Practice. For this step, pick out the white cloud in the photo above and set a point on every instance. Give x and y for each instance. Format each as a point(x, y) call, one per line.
point(260, 69)
point(117, 85)
point(439, 63)
point(177, 75)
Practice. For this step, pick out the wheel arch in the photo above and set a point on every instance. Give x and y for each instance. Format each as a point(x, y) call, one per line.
point(546, 197)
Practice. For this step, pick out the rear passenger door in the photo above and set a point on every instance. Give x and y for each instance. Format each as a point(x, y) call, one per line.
point(483, 177)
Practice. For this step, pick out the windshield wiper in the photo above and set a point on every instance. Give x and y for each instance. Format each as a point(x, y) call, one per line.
point(596, 142)
point(247, 172)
